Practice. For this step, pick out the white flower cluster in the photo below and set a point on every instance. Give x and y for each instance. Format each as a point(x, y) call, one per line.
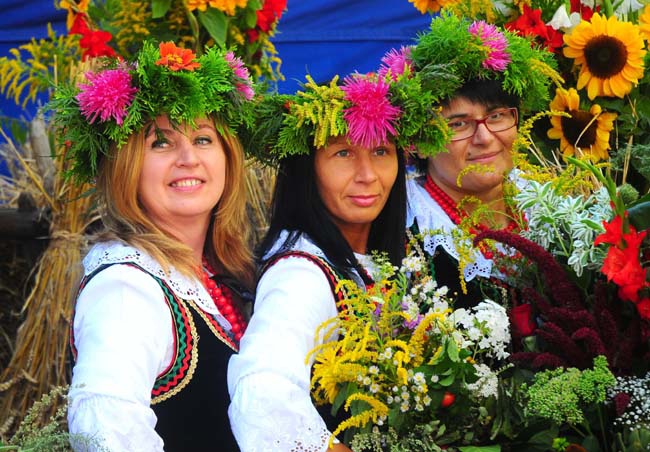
point(637, 413)
point(565, 225)
point(487, 384)
point(411, 396)
point(487, 326)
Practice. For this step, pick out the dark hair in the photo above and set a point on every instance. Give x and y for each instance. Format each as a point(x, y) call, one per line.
point(298, 208)
point(487, 92)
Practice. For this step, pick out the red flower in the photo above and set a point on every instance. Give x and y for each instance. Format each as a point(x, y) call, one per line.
point(176, 58)
point(522, 320)
point(554, 39)
point(270, 13)
point(80, 25)
point(643, 307)
point(613, 232)
point(530, 23)
point(95, 44)
point(585, 11)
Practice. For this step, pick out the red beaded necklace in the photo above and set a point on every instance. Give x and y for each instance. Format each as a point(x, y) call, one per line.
point(222, 298)
point(449, 206)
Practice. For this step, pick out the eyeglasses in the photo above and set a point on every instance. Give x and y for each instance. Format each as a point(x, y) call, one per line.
point(496, 121)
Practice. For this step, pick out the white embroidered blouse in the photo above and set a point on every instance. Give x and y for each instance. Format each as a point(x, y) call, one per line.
point(271, 408)
point(124, 339)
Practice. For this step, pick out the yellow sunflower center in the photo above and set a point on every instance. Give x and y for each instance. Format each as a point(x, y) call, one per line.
point(577, 129)
point(606, 56)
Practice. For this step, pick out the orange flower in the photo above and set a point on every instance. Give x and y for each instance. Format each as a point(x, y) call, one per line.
point(176, 58)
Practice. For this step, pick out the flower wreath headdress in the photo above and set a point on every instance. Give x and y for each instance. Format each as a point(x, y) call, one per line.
point(121, 98)
point(478, 50)
point(368, 108)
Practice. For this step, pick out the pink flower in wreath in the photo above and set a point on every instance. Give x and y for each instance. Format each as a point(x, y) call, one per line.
point(371, 116)
point(243, 83)
point(494, 42)
point(395, 62)
point(107, 95)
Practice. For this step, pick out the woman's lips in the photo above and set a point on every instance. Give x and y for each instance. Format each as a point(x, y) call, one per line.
point(486, 157)
point(364, 200)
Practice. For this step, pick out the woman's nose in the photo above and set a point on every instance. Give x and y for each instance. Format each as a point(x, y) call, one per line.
point(187, 154)
point(366, 171)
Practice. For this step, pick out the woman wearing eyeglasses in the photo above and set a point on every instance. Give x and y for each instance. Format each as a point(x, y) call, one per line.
point(460, 191)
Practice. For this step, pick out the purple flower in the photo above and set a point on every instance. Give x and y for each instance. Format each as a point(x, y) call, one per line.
point(107, 95)
point(395, 62)
point(494, 42)
point(243, 84)
point(371, 116)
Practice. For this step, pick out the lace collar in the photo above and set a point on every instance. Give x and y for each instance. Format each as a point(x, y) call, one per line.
point(114, 252)
point(303, 243)
point(431, 217)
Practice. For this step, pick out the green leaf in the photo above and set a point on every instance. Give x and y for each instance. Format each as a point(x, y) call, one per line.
point(216, 23)
point(452, 351)
point(447, 381)
point(591, 444)
point(250, 18)
point(160, 7)
point(339, 400)
point(640, 216)
point(495, 448)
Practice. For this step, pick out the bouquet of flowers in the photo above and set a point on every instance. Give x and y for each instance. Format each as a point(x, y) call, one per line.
point(414, 373)
point(584, 302)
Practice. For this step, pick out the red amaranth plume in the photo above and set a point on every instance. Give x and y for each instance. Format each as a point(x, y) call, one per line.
point(562, 290)
point(563, 345)
point(591, 339)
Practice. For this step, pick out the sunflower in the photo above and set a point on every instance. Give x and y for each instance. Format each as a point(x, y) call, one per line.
point(610, 54)
point(586, 130)
point(644, 23)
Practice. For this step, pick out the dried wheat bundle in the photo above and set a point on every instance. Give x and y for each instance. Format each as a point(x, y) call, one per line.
point(40, 359)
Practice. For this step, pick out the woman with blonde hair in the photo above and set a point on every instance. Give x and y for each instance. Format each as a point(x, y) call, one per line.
point(171, 264)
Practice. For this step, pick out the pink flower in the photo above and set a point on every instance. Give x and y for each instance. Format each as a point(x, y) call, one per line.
point(371, 116)
point(107, 95)
point(495, 42)
point(395, 62)
point(243, 84)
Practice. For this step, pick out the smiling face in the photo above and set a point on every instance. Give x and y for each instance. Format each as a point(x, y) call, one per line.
point(183, 173)
point(491, 149)
point(354, 183)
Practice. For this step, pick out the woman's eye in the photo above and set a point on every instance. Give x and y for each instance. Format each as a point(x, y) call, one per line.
point(497, 115)
point(381, 151)
point(457, 124)
point(203, 140)
point(159, 143)
point(343, 153)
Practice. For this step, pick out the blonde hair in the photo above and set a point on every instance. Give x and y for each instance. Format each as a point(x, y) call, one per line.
point(226, 246)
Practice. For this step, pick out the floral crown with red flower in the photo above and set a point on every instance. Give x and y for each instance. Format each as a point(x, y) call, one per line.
point(369, 108)
point(121, 98)
point(471, 50)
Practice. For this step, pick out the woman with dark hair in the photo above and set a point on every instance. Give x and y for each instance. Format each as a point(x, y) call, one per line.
point(336, 199)
point(459, 190)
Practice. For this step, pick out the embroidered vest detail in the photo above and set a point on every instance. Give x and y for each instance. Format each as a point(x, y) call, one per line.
point(184, 361)
point(332, 275)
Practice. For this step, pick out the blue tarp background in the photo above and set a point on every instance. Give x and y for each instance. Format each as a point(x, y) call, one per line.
point(318, 37)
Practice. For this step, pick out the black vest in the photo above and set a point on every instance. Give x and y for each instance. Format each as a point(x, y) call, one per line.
point(190, 398)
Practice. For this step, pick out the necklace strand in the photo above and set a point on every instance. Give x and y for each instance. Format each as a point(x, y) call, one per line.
point(449, 206)
point(223, 300)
